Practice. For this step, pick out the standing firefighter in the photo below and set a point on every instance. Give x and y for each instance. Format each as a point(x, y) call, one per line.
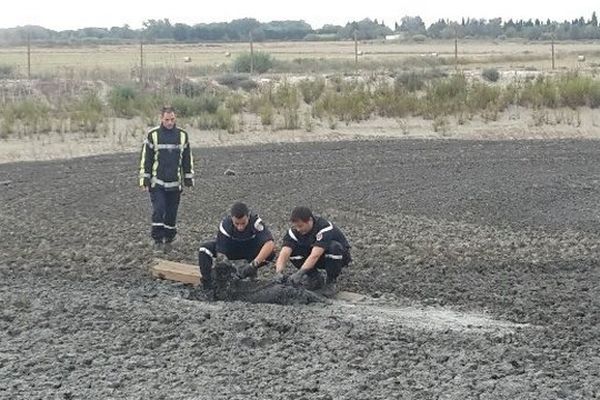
point(242, 235)
point(166, 166)
point(313, 243)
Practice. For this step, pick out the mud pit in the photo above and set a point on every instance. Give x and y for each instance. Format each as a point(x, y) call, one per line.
point(478, 259)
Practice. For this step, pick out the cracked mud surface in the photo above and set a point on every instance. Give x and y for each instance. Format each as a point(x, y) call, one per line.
point(479, 262)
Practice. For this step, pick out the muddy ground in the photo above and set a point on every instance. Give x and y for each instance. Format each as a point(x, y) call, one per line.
point(479, 260)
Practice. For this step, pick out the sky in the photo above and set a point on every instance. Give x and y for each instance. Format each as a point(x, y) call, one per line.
point(65, 14)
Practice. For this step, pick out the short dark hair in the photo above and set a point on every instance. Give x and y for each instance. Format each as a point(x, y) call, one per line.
point(166, 110)
point(239, 210)
point(301, 213)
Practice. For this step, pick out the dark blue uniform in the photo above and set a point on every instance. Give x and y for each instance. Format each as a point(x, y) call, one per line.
point(166, 165)
point(323, 234)
point(235, 245)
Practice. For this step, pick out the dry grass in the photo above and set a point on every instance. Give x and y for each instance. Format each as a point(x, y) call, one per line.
point(206, 58)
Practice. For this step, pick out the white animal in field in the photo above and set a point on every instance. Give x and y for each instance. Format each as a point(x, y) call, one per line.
point(581, 58)
point(187, 59)
point(227, 54)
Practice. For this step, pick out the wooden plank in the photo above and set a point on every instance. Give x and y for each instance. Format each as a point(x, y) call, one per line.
point(349, 296)
point(187, 273)
point(175, 271)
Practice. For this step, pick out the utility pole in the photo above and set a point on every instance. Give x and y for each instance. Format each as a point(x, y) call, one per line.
point(251, 54)
point(355, 49)
point(142, 60)
point(28, 54)
point(553, 52)
point(456, 49)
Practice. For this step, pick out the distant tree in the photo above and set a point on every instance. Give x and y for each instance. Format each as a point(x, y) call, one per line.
point(158, 29)
point(286, 30)
point(414, 25)
point(330, 29)
point(123, 32)
point(594, 20)
point(97, 33)
point(182, 32)
point(365, 30)
point(435, 30)
point(239, 29)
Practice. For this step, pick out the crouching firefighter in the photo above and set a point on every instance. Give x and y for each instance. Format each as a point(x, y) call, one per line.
point(242, 235)
point(313, 244)
point(166, 166)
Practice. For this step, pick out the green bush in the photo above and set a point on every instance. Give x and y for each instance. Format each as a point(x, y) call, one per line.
point(286, 98)
point(490, 74)
point(267, 113)
point(291, 118)
point(259, 99)
point(410, 81)
point(286, 95)
point(225, 120)
point(394, 102)
point(446, 96)
point(594, 95)
point(311, 89)
point(122, 99)
point(541, 92)
point(221, 119)
point(263, 62)
point(187, 88)
point(88, 112)
point(347, 105)
point(7, 71)
point(188, 107)
point(32, 115)
point(577, 91)
point(481, 96)
point(235, 102)
point(236, 81)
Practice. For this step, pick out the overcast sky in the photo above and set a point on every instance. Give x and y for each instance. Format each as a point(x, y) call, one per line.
point(64, 14)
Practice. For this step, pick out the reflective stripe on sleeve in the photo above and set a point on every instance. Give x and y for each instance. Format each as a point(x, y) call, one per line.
point(223, 231)
point(326, 229)
point(291, 233)
point(206, 251)
point(155, 164)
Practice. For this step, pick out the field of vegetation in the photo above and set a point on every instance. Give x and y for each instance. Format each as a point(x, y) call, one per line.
point(293, 85)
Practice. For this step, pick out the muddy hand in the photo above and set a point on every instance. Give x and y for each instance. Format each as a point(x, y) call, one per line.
point(296, 278)
point(247, 271)
point(279, 278)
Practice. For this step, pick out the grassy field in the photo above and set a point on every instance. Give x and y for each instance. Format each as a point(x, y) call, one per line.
point(206, 58)
point(500, 89)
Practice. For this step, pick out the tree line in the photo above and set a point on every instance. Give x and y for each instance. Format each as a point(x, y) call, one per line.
point(242, 30)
